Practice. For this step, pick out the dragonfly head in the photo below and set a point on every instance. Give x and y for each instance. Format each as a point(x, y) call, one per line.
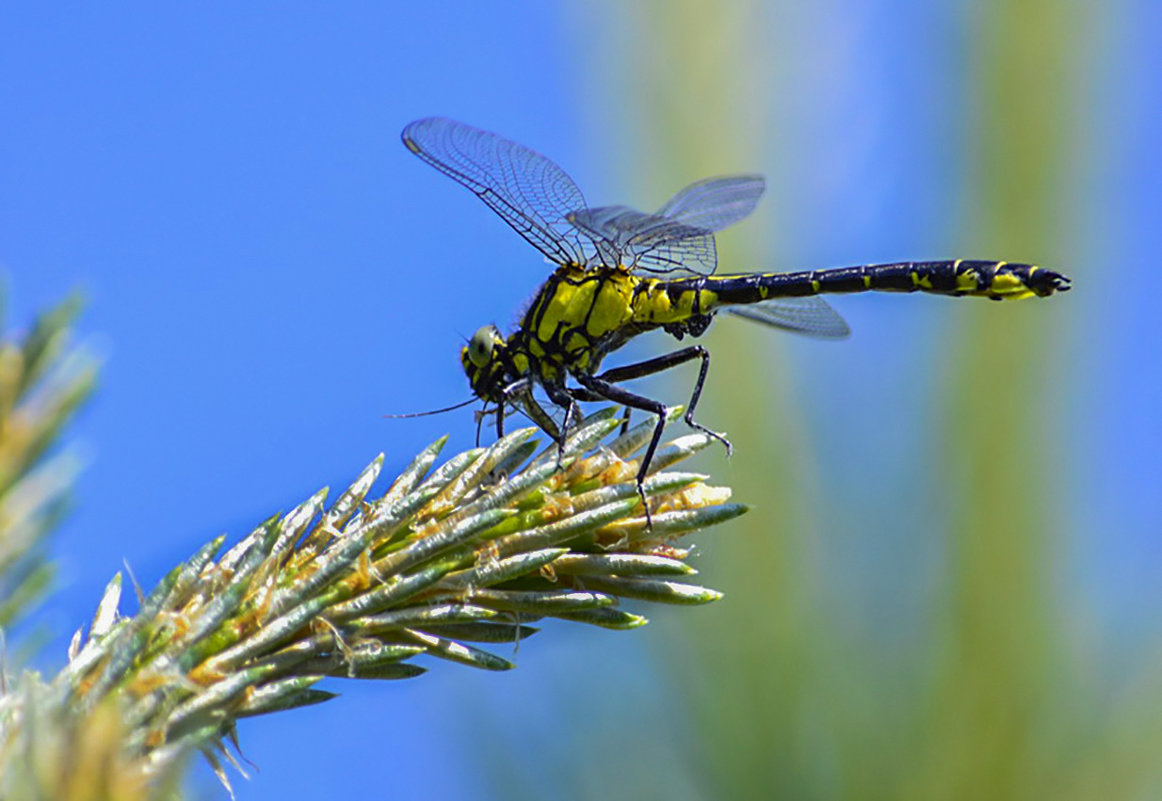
point(484, 362)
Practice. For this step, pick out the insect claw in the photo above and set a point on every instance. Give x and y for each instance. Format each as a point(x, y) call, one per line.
point(712, 434)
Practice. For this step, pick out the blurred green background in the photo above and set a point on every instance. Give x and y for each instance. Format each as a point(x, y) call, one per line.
point(949, 584)
point(919, 606)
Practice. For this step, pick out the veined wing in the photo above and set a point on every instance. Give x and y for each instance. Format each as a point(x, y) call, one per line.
point(679, 237)
point(715, 203)
point(527, 190)
point(810, 315)
point(646, 241)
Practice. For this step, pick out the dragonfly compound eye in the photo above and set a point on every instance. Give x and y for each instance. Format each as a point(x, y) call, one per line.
point(481, 346)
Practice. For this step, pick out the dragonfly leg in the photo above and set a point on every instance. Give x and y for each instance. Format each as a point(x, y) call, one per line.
point(584, 395)
point(520, 395)
point(660, 363)
point(538, 415)
point(518, 388)
point(561, 397)
point(480, 415)
point(607, 390)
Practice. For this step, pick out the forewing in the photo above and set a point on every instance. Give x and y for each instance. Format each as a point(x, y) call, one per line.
point(527, 190)
point(715, 203)
point(812, 316)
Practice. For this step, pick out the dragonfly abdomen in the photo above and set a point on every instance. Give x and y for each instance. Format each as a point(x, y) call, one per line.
point(998, 280)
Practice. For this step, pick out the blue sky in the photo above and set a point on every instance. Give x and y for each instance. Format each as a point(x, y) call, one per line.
point(268, 272)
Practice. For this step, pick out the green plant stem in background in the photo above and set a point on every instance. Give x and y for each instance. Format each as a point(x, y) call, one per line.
point(43, 380)
point(704, 86)
point(1019, 714)
point(1003, 689)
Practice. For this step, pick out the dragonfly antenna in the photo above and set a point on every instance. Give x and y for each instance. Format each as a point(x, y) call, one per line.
point(433, 411)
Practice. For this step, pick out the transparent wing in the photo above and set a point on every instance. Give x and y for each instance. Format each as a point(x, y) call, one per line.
point(646, 241)
point(812, 316)
point(603, 226)
point(715, 203)
point(527, 190)
point(663, 245)
point(680, 236)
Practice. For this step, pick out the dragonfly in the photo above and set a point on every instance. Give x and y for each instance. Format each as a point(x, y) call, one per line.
point(621, 272)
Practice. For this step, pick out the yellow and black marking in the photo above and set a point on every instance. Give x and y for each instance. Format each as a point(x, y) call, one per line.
point(597, 299)
point(996, 280)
